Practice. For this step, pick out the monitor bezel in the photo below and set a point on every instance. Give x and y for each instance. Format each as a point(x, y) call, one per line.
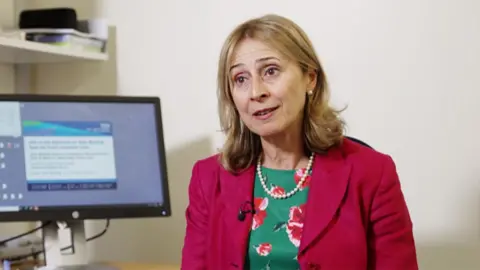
point(98, 211)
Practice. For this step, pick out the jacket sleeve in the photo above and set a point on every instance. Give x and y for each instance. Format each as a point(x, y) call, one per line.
point(391, 240)
point(195, 246)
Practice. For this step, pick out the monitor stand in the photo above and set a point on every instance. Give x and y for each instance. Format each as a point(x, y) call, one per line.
point(77, 256)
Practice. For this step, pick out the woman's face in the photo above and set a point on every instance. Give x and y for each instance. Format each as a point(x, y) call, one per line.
point(268, 90)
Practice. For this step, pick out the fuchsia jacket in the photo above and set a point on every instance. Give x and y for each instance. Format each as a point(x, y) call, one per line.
point(356, 216)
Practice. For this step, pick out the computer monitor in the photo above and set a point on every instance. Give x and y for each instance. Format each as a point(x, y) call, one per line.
point(73, 158)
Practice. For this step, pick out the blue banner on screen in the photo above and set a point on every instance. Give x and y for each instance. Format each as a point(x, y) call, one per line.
point(59, 155)
point(56, 128)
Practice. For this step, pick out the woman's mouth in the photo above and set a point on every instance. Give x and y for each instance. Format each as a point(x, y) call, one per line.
point(264, 114)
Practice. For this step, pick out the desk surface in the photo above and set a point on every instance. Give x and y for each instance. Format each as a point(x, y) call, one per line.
point(119, 265)
point(144, 266)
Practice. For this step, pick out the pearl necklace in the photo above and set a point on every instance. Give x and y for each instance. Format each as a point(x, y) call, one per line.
point(291, 192)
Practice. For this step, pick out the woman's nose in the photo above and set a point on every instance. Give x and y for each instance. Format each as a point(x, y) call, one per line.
point(259, 91)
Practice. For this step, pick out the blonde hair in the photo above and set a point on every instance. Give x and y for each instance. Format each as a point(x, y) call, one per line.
point(322, 126)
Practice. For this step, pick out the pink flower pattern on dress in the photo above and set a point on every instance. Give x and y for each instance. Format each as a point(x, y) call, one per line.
point(295, 224)
point(298, 176)
point(260, 205)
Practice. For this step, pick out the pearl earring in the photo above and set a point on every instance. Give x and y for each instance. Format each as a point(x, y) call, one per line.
point(310, 92)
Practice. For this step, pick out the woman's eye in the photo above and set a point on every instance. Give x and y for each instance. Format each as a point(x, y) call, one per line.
point(240, 79)
point(271, 71)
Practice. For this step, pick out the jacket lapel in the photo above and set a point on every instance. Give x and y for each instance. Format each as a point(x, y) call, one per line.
point(237, 192)
point(328, 185)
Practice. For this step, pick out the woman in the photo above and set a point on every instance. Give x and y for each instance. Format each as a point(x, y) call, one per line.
point(288, 190)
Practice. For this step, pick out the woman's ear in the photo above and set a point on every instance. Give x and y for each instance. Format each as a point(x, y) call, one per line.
point(311, 79)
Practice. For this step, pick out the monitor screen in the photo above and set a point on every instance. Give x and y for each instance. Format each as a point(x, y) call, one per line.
point(82, 157)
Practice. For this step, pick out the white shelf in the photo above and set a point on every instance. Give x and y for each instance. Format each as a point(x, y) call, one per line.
point(15, 51)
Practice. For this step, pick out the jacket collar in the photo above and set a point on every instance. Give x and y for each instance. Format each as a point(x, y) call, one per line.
point(328, 186)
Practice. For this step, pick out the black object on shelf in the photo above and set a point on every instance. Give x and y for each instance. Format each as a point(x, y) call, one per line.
point(52, 18)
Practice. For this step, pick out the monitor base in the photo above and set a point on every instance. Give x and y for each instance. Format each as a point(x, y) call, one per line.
point(56, 254)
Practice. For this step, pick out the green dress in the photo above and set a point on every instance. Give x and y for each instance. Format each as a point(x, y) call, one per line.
point(278, 223)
